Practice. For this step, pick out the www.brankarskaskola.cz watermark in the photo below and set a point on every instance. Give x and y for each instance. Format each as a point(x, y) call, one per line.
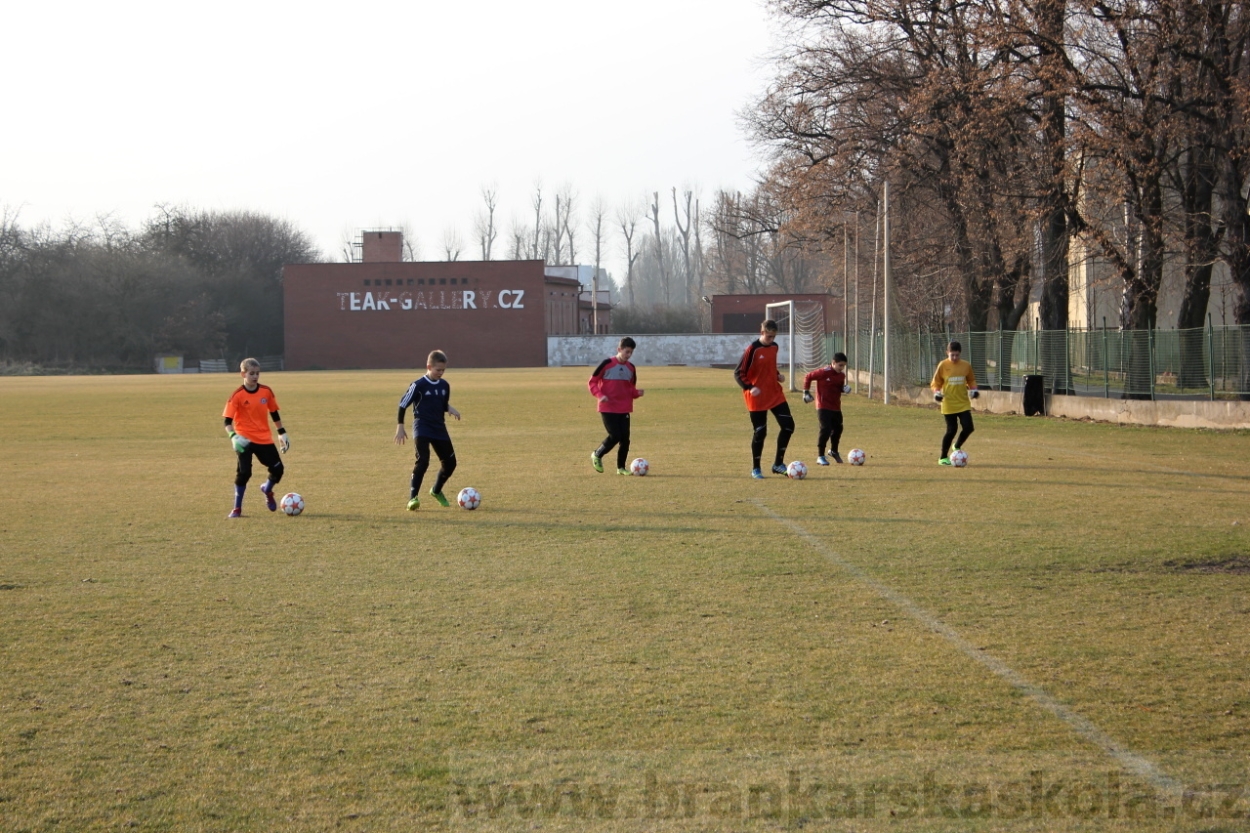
point(795, 795)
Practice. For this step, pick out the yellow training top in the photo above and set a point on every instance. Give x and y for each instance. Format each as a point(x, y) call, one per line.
point(953, 379)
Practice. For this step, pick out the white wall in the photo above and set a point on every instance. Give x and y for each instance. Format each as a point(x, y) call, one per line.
point(690, 349)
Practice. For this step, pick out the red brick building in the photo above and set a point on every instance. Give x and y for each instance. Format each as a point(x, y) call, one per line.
point(744, 313)
point(384, 313)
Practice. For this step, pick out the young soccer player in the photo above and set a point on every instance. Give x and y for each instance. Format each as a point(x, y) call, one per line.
point(760, 381)
point(247, 415)
point(830, 385)
point(430, 398)
point(615, 384)
point(954, 385)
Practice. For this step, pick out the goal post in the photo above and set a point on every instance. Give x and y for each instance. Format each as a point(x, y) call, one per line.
point(803, 323)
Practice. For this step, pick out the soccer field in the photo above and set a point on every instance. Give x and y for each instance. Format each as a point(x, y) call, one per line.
point(1054, 638)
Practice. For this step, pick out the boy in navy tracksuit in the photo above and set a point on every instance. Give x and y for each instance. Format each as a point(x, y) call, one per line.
point(615, 384)
point(830, 385)
point(430, 398)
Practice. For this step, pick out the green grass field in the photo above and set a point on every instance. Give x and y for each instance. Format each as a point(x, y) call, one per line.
point(871, 648)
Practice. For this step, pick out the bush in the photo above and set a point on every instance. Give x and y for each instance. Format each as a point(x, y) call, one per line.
point(656, 319)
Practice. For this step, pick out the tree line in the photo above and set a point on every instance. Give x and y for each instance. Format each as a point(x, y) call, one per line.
point(205, 284)
point(676, 247)
point(1014, 134)
point(1017, 136)
point(1011, 131)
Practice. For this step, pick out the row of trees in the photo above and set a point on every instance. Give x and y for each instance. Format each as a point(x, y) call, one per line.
point(202, 283)
point(1010, 130)
point(675, 249)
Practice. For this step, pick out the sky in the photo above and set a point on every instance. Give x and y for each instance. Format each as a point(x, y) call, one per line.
point(341, 117)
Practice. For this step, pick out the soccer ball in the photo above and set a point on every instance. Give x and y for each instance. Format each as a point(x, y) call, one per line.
point(292, 504)
point(857, 456)
point(959, 459)
point(639, 467)
point(469, 498)
point(797, 470)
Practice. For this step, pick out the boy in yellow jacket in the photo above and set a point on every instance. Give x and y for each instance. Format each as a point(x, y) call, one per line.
point(954, 386)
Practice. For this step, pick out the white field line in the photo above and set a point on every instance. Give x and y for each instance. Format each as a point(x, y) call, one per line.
point(1129, 760)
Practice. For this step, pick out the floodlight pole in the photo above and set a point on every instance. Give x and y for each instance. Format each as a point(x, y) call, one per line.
point(846, 277)
point(887, 291)
point(856, 302)
point(790, 341)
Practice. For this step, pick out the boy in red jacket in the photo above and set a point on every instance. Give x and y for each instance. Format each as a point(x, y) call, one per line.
point(830, 385)
point(615, 384)
point(760, 381)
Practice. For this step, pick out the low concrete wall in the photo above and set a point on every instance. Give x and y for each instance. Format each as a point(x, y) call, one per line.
point(692, 349)
point(1175, 413)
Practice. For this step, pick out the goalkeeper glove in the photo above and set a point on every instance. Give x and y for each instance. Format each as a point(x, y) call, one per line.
point(846, 388)
point(284, 440)
point(239, 443)
point(974, 393)
point(937, 396)
point(807, 397)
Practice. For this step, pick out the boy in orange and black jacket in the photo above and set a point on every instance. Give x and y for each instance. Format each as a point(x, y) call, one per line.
point(247, 415)
point(760, 381)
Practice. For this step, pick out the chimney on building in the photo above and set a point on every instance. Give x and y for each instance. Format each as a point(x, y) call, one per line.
point(381, 246)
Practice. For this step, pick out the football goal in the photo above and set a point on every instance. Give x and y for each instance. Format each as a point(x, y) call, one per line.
point(804, 324)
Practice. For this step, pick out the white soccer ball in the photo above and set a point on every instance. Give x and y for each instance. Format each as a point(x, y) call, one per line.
point(857, 456)
point(639, 467)
point(797, 470)
point(469, 498)
point(959, 459)
point(292, 504)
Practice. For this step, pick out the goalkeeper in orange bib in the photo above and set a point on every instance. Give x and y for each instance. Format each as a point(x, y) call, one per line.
point(247, 415)
point(954, 386)
point(760, 381)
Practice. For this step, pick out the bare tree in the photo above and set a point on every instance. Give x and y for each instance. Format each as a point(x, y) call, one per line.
point(537, 202)
point(627, 218)
point(570, 199)
point(520, 235)
point(597, 212)
point(654, 216)
point(683, 233)
point(412, 246)
point(452, 244)
point(484, 224)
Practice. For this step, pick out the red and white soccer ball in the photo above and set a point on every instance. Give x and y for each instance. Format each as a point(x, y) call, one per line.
point(959, 459)
point(469, 498)
point(857, 456)
point(292, 504)
point(639, 467)
point(797, 470)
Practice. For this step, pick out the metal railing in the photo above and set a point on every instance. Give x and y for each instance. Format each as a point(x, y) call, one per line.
point(1202, 363)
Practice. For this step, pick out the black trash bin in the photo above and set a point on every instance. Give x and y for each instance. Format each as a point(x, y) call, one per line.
point(1034, 396)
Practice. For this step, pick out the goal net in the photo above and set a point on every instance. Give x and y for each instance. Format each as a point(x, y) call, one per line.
point(803, 322)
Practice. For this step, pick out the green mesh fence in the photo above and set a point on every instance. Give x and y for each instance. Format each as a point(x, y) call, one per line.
point(1211, 362)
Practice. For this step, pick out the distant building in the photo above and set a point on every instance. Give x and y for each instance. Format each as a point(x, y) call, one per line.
point(386, 313)
point(594, 305)
point(745, 313)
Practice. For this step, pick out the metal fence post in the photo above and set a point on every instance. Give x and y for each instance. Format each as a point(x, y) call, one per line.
point(1150, 355)
point(1211, 356)
point(1106, 376)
